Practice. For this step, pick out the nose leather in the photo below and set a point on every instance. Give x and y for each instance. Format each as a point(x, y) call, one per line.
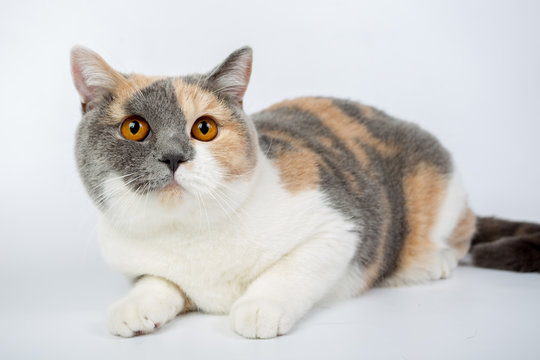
point(173, 160)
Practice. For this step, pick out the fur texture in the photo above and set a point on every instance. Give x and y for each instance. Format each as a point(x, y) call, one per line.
point(507, 245)
point(310, 200)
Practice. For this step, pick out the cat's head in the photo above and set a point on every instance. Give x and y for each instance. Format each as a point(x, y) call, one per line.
point(163, 140)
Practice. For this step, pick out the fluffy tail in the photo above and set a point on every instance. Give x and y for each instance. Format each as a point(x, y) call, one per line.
point(506, 245)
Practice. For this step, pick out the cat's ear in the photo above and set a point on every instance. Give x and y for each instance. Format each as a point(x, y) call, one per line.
point(231, 77)
point(92, 76)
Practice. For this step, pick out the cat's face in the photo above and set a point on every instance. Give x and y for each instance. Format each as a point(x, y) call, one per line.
point(162, 138)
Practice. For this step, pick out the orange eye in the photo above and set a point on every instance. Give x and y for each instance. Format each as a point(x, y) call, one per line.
point(135, 128)
point(204, 129)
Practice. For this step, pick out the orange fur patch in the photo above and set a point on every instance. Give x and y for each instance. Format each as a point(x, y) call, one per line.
point(424, 192)
point(231, 150)
point(189, 305)
point(124, 90)
point(196, 102)
point(348, 129)
point(461, 237)
point(298, 170)
point(230, 147)
point(368, 111)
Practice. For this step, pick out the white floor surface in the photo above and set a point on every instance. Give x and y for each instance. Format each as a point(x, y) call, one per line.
point(477, 314)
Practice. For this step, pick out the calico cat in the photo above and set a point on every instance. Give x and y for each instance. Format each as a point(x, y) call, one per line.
point(264, 216)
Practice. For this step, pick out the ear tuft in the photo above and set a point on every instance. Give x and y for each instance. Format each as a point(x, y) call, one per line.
point(231, 78)
point(92, 76)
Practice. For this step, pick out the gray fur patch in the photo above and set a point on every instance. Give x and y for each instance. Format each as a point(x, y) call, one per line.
point(102, 152)
point(416, 144)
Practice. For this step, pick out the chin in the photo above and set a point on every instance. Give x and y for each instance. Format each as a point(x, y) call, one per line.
point(171, 195)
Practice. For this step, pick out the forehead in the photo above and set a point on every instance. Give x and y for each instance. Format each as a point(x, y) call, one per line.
point(140, 94)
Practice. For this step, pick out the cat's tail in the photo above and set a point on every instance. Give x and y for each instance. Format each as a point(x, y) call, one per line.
point(506, 245)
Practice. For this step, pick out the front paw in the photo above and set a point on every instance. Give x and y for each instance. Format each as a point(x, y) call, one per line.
point(260, 318)
point(136, 315)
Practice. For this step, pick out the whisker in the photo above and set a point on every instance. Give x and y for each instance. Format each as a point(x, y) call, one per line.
point(200, 212)
point(108, 180)
point(110, 193)
point(217, 202)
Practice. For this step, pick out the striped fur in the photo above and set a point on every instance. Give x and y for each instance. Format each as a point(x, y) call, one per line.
point(387, 175)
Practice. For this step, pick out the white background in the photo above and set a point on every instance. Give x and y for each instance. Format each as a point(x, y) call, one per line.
point(468, 71)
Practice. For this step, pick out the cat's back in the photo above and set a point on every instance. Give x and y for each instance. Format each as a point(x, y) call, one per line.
point(338, 128)
point(388, 175)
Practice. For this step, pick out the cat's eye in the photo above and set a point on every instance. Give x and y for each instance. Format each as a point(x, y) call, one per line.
point(135, 128)
point(204, 129)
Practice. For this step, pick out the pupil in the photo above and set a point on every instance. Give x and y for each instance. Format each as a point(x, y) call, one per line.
point(204, 127)
point(134, 127)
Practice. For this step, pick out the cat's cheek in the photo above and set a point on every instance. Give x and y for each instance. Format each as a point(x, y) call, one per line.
point(235, 150)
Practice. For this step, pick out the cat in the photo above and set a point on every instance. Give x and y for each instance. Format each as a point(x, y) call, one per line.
point(264, 216)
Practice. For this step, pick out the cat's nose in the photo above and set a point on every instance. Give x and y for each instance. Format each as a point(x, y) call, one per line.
point(173, 160)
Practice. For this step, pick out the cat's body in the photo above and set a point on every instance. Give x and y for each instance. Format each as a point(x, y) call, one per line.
point(311, 200)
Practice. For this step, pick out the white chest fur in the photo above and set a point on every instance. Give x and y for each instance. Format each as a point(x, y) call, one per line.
point(214, 261)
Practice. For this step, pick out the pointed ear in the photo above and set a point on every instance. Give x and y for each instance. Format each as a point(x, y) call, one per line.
point(231, 78)
point(92, 76)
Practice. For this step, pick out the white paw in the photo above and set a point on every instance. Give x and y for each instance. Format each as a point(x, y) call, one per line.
point(448, 262)
point(140, 314)
point(260, 318)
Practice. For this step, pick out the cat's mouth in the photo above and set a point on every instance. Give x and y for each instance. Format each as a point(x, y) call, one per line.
point(171, 193)
point(171, 185)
